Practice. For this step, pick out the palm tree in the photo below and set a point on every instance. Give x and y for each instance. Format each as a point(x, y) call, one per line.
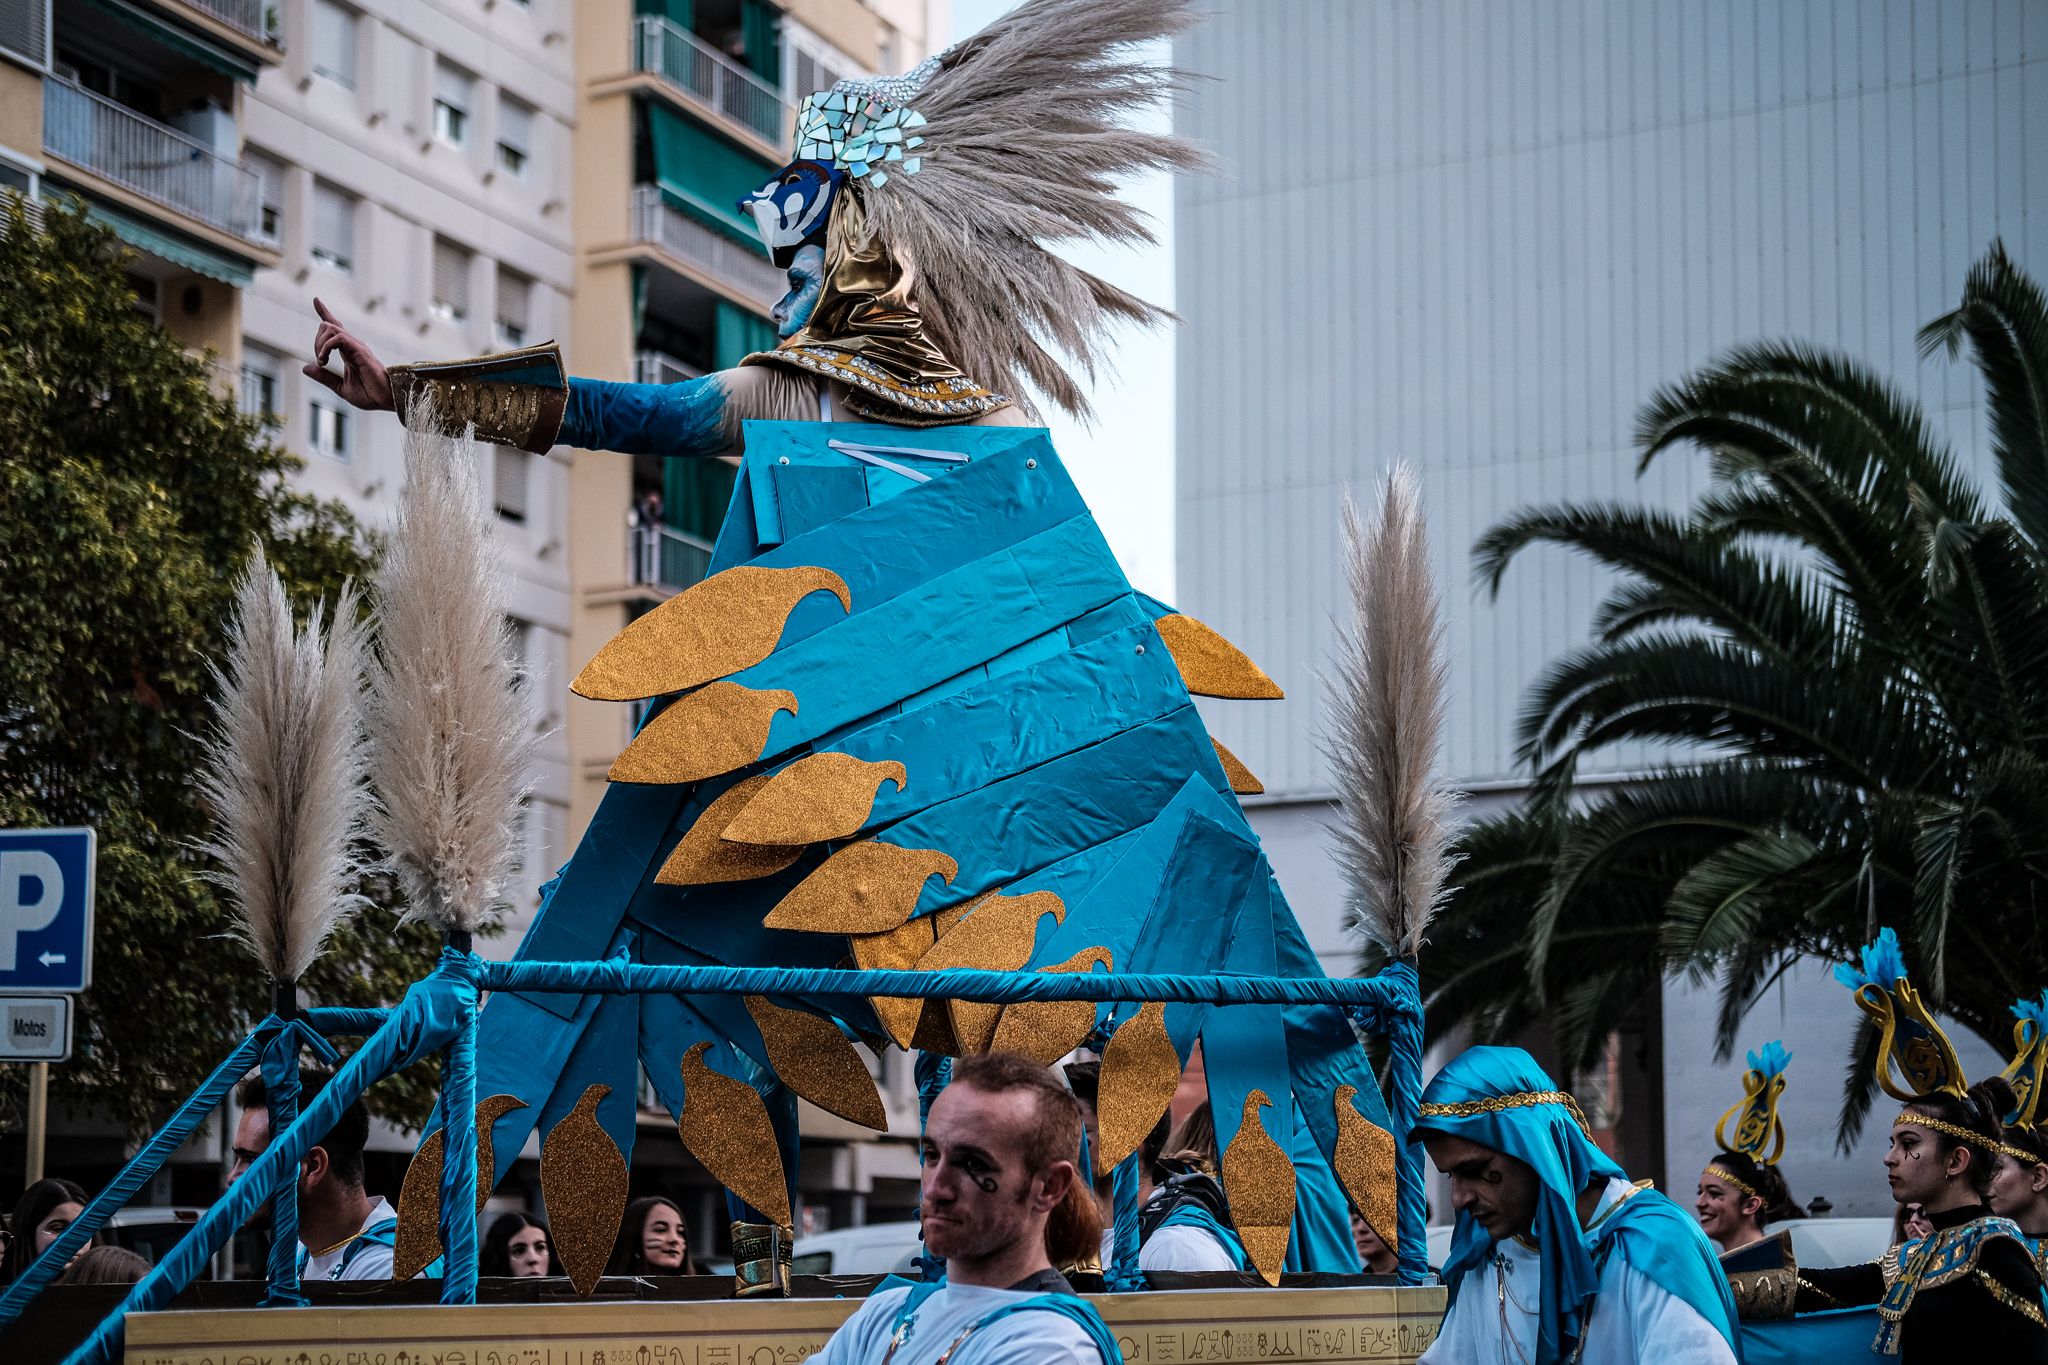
point(1846, 647)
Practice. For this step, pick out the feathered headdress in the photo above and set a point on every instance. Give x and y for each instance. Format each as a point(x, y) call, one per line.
point(2029, 1060)
point(1913, 1044)
point(1751, 1127)
point(936, 194)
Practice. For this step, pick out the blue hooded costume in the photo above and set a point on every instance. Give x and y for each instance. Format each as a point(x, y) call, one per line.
point(1501, 1099)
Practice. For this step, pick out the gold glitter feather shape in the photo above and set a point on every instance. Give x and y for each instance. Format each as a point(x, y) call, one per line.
point(1258, 1180)
point(896, 950)
point(997, 935)
point(1210, 665)
point(1140, 1072)
point(583, 1180)
point(865, 888)
point(1364, 1159)
point(713, 730)
point(1243, 780)
point(418, 1240)
point(813, 1058)
point(820, 796)
point(730, 621)
point(1047, 1030)
point(725, 1125)
point(705, 856)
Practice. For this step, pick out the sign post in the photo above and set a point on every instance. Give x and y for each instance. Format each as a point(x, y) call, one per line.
point(46, 908)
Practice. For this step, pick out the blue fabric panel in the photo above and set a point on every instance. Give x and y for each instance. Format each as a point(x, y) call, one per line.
point(1035, 650)
point(876, 657)
point(607, 1052)
point(522, 1049)
point(952, 746)
point(807, 499)
point(1321, 1240)
point(1244, 1047)
point(740, 537)
point(1845, 1336)
point(1013, 827)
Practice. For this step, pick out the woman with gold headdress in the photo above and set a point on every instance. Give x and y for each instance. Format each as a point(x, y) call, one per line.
point(1970, 1290)
point(1741, 1189)
point(2019, 1189)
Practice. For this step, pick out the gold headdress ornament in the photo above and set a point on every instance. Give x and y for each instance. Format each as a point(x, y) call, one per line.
point(1912, 1043)
point(2029, 1068)
point(1751, 1127)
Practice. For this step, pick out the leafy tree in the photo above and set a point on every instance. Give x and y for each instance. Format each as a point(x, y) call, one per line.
point(130, 493)
point(1842, 642)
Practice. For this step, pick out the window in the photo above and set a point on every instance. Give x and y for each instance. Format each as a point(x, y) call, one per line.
point(515, 136)
point(509, 491)
point(515, 302)
point(327, 430)
point(145, 296)
point(270, 194)
point(258, 389)
point(334, 43)
point(334, 227)
point(453, 90)
point(15, 176)
point(25, 30)
point(451, 281)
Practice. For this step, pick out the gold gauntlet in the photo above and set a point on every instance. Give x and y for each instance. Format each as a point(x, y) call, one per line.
point(514, 398)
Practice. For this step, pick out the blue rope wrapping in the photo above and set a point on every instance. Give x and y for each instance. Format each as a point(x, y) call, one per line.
point(458, 1160)
point(426, 1019)
point(335, 1021)
point(1401, 1024)
point(616, 976)
point(1122, 1274)
point(281, 1088)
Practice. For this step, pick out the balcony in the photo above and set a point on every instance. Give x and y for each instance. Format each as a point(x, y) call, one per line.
point(249, 17)
point(663, 557)
point(744, 272)
point(659, 367)
point(710, 80)
point(116, 145)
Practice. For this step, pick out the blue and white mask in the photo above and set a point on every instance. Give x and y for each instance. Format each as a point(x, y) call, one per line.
point(793, 208)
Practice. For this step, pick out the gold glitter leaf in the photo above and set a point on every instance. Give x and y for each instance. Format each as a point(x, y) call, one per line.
point(822, 796)
point(725, 1126)
point(813, 1058)
point(713, 730)
point(704, 857)
point(896, 950)
point(1140, 1072)
point(1242, 780)
point(728, 622)
point(418, 1240)
point(583, 1182)
point(864, 888)
point(1210, 665)
point(1364, 1160)
point(1047, 1030)
point(997, 935)
point(1258, 1180)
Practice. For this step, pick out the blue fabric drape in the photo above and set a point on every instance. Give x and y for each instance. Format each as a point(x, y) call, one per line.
point(1122, 1274)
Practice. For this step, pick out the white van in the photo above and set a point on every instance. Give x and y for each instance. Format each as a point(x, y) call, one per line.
point(876, 1249)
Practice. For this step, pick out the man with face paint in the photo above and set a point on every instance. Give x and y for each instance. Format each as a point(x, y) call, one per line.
point(1001, 1197)
point(1556, 1256)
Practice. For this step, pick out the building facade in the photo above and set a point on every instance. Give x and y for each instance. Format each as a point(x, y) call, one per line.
point(1475, 236)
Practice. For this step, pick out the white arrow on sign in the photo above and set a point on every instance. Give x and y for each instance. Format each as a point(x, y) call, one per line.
point(49, 957)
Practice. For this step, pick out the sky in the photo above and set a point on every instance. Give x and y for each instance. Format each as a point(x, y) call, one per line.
point(1123, 464)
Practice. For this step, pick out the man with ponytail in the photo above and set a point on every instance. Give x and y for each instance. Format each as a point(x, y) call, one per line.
point(1003, 1201)
point(1969, 1290)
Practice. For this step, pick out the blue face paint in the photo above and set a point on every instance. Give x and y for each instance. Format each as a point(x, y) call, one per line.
point(806, 284)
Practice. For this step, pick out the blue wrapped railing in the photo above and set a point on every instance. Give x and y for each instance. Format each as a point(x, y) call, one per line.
point(439, 1014)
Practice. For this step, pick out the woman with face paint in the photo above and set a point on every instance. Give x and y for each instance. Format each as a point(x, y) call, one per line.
point(1970, 1290)
point(1741, 1189)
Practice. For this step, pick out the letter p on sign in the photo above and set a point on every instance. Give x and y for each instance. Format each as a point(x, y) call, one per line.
point(31, 894)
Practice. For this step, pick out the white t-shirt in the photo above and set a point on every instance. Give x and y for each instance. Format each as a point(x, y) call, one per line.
point(1033, 1337)
point(1634, 1318)
point(1181, 1247)
point(369, 1263)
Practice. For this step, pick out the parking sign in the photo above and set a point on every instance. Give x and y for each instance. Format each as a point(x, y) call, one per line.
point(46, 904)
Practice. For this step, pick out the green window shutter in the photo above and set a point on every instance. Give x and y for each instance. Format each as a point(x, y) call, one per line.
point(682, 13)
point(761, 36)
point(739, 334)
point(695, 494)
point(702, 173)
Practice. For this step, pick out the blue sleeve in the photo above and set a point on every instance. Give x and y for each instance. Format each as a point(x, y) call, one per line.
point(647, 419)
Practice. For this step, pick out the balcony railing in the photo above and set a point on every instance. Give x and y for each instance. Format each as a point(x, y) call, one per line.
point(665, 557)
point(659, 367)
point(161, 164)
point(710, 78)
point(247, 15)
point(659, 223)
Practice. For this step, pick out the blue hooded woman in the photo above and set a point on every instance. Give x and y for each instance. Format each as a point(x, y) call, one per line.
point(1557, 1256)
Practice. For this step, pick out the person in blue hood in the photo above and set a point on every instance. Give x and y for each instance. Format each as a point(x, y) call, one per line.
point(1556, 1256)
